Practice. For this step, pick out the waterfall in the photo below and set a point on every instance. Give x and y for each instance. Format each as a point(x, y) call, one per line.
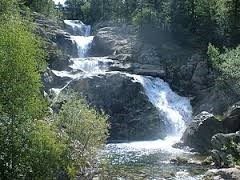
point(174, 109)
point(81, 36)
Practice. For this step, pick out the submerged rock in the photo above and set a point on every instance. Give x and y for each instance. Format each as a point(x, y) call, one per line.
point(222, 174)
point(131, 115)
point(199, 133)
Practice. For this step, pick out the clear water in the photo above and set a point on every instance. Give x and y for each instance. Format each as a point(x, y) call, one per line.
point(149, 160)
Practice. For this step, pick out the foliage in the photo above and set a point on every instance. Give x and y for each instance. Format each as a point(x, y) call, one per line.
point(216, 21)
point(227, 64)
point(86, 131)
point(20, 56)
point(46, 151)
point(46, 7)
point(146, 16)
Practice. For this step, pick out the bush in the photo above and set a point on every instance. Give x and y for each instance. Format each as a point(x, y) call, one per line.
point(86, 131)
point(46, 151)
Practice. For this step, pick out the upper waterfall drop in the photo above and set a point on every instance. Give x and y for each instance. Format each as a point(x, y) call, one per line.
point(81, 36)
point(78, 27)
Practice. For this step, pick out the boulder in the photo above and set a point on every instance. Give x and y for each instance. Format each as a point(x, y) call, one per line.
point(222, 174)
point(131, 115)
point(117, 40)
point(226, 149)
point(50, 80)
point(199, 133)
point(232, 118)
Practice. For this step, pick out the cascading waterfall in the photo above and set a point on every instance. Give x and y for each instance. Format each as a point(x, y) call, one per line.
point(174, 110)
point(81, 36)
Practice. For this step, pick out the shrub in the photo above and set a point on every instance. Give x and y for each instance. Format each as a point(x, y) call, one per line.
point(86, 131)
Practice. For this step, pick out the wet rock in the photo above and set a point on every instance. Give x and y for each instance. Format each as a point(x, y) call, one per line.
point(131, 115)
point(199, 133)
point(65, 43)
point(222, 174)
point(50, 80)
point(140, 69)
point(179, 161)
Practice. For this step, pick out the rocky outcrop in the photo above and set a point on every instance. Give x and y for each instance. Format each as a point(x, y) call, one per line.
point(226, 149)
point(131, 115)
point(221, 174)
point(232, 118)
point(214, 100)
point(140, 69)
point(57, 43)
point(199, 133)
point(65, 43)
point(116, 41)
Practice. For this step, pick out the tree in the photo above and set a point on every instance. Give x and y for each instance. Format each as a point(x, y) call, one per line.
point(227, 66)
point(46, 7)
point(20, 97)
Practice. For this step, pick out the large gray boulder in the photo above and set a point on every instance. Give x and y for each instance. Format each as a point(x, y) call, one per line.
point(226, 149)
point(199, 133)
point(131, 115)
point(119, 41)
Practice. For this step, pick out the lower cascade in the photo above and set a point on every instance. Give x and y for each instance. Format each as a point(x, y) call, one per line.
point(151, 157)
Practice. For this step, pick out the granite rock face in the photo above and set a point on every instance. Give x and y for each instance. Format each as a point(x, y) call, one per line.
point(131, 115)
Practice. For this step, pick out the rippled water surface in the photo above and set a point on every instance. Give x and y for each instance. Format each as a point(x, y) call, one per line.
point(150, 160)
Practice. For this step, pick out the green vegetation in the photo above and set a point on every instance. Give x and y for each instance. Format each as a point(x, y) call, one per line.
point(45, 7)
point(210, 20)
point(35, 145)
point(227, 66)
point(85, 131)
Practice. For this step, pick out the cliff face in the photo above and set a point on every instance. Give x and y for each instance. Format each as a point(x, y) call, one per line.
point(185, 69)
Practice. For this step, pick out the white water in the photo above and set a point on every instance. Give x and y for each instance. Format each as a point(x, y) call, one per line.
point(93, 66)
point(175, 110)
point(59, 1)
point(83, 44)
point(81, 36)
point(79, 27)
